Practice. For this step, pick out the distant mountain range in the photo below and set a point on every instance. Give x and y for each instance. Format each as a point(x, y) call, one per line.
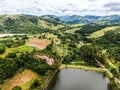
point(74, 19)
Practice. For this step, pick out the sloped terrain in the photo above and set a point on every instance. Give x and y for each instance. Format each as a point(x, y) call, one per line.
point(40, 44)
point(20, 79)
point(75, 19)
point(102, 31)
point(26, 24)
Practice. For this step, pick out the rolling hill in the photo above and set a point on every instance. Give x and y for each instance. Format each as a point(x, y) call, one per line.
point(26, 24)
point(28, 61)
point(101, 32)
point(53, 18)
point(74, 19)
point(34, 24)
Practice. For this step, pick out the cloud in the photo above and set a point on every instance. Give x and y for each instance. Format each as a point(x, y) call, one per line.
point(60, 7)
point(113, 6)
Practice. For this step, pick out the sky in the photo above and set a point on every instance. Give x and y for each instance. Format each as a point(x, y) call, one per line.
point(60, 7)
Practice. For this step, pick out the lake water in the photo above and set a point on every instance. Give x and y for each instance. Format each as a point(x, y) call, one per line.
point(75, 79)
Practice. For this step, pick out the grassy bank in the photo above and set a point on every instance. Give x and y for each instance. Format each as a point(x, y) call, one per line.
point(82, 67)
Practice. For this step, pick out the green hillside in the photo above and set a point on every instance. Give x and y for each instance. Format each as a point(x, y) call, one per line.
point(102, 31)
point(26, 24)
point(53, 18)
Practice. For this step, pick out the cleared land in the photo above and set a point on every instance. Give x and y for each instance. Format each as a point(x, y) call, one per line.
point(24, 79)
point(38, 43)
point(49, 60)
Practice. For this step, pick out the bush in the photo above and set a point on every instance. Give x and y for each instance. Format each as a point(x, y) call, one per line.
point(2, 48)
point(11, 55)
point(35, 84)
point(17, 88)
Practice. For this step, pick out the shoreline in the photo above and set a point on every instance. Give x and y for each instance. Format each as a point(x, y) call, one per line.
point(49, 79)
point(81, 67)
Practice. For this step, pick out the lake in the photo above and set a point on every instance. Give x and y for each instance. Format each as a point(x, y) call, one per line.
point(75, 79)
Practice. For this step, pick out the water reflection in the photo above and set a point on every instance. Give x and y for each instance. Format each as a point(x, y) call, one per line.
point(74, 79)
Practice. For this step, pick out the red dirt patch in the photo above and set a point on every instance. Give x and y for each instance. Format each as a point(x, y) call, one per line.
point(40, 44)
point(49, 61)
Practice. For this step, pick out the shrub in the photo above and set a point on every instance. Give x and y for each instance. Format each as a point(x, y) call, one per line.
point(11, 55)
point(2, 48)
point(35, 84)
point(17, 88)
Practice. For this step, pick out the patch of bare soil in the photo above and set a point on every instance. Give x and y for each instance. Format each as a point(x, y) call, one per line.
point(49, 61)
point(19, 79)
point(40, 44)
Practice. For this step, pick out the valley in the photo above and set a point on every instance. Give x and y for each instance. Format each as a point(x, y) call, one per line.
point(33, 49)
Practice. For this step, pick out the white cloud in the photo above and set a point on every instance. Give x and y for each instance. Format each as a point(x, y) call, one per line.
point(59, 7)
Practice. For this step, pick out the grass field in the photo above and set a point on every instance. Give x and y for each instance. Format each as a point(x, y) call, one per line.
point(22, 48)
point(72, 30)
point(82, 67)
point(75, 25)
point(102, 32)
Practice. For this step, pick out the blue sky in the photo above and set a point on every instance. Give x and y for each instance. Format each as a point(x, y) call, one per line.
point(60, 7)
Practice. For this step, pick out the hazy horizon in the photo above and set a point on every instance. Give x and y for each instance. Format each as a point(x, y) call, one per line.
point(61, 15)
point(60, 7)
